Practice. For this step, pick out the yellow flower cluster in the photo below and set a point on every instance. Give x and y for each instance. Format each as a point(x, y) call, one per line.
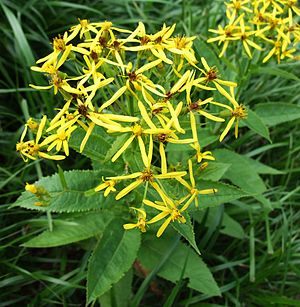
point(146, 87)
point(269, 25)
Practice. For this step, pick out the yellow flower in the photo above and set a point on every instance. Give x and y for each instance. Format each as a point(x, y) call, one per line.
point(57, 83)
point(244, 37)
point(235, 6)
point(182, 46)
point(61, 47)
point(108, 185)
point(141, 223)
point(137, 132)
point(141, 82)
point(60, 138)
point(196, 145)
point(211, 75)
point(197, 106)
point(32, 149)
point(170, 209)
point(225, 35)
point(82, 28)
point(33, 125)
point(237, 112)
point(192, 186)
point(31, 188)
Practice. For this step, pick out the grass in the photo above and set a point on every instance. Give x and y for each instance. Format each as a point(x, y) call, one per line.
point(259, 270)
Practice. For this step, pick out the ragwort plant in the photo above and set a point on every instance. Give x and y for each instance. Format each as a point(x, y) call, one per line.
point(130, 101)
point(261, 25)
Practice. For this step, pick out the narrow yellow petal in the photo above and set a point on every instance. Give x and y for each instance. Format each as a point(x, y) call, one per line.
point(153, 205)
point(224, 133)
point(128, 189)
point(64, 56)
point(123, 148)
point(193, 126)
point(86, 137)
point(51, 157)
point(224, 93)
point(143, 151)
point(148, 66)
point(116, 96)
point(204, 63)
point(163, 227)
point(170, 175)
point(150, 150)
point(211, 117)
point(158, 217)
point(208, 191)
point(129, 226)
point(174, 118)
point(126, 177)
point(145, 115)
point(192, 179)
point(176, 87)
point(163, 158)
point(41, 128)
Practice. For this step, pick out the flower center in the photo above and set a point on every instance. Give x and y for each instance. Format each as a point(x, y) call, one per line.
point(59, 44)
point(176, 215)
point(137, 130)
point(211, 75)
point(240, 112)
point(147, 175)
point(62, 135)
point(180, 42)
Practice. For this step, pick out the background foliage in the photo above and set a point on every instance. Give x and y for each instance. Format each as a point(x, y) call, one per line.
point(251, 245)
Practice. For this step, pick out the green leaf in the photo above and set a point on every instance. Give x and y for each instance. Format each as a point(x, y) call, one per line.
point(261, 168)
point(73, 199)
point(120, 292)
point(231, 227)
point(72, 230)
point(241, 172)
point(187, 231)
point(214, 171)
point(256, 124)
point(274, 113)
point(21, 40)
point(225, 194)
point(97, 145)
point(275, 71)
point(112, 257)
point(200, 277)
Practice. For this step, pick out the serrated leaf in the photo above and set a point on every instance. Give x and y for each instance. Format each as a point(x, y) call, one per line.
point(74, 198)
point(187, 231)
point(214, 171)
point(256, 124)
point(241, 172)
point(200, 277)
point(97, 145)
point(274, 113)
point(112, 257)
point(225, 193)
point(72, 230)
